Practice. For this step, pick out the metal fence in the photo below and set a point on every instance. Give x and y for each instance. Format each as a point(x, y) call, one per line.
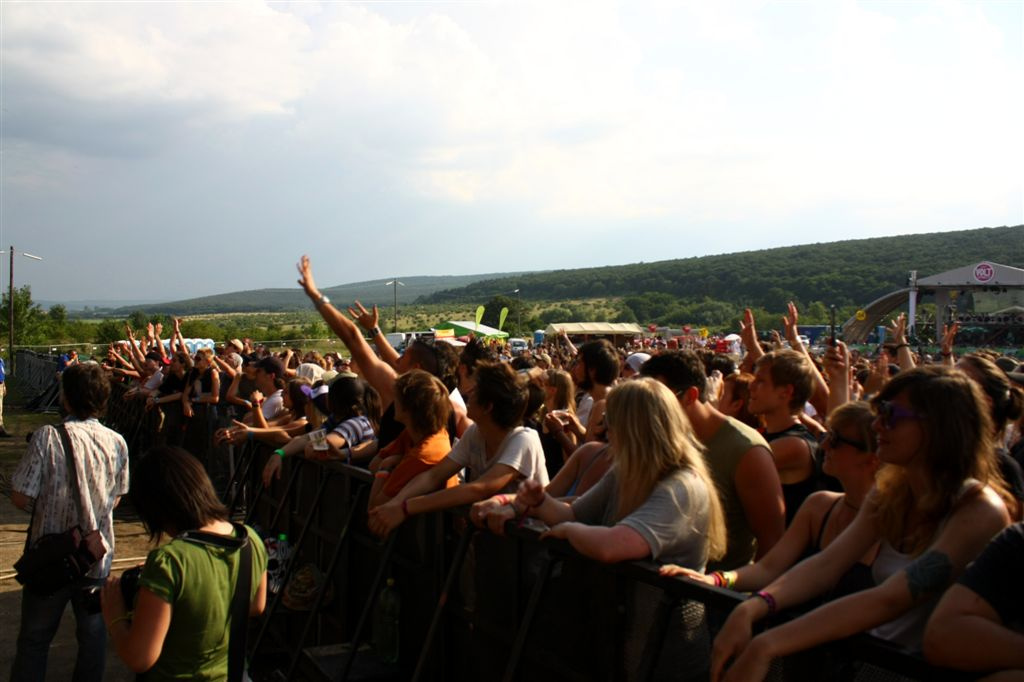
point(475, 606)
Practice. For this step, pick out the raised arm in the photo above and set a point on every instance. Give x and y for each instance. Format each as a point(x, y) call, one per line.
point(748, 332)
point(189, 363)
point(370, 321)
point(819, 398)
point(948, 337)
point(378, 373)
point(837, 366)
point(898, 330)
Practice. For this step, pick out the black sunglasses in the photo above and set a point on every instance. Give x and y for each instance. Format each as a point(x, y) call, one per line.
point(890, 414)
point(832, 439)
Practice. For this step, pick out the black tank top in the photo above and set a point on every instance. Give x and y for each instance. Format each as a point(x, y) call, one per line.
point(794, 494)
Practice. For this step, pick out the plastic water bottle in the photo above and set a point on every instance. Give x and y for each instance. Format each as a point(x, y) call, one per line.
point(272, 563)
point(385, 623)
point(284, 552)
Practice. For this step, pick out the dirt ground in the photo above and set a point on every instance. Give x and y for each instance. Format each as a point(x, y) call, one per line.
point(132, 545)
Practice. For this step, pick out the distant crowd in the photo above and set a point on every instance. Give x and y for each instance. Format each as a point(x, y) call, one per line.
point(875, 494)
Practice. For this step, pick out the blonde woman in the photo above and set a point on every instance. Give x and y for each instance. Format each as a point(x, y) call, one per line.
point(559, 408)
point(656, 502)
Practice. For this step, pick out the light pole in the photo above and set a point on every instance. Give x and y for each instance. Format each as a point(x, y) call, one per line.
point(10, 306)
point(519, 312)
point(395, 283)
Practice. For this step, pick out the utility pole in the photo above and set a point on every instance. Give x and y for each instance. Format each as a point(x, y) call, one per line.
point(395, 283)
point(10, 308)
point(519, 312)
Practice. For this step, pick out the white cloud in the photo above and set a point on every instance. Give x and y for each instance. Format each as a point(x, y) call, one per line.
point(606, 114)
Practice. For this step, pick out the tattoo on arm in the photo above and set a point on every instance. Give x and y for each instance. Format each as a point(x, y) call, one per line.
point(929, 574)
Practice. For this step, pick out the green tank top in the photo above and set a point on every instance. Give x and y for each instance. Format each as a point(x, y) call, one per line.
point(723, 454)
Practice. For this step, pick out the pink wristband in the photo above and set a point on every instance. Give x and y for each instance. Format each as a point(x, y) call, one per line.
point(768, 599)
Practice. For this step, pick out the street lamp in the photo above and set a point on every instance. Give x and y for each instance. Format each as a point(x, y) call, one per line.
point(519, 312)
point(10, 306)
point(395, 283)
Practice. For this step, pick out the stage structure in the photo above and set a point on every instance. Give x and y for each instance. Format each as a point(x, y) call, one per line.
point(986, 295)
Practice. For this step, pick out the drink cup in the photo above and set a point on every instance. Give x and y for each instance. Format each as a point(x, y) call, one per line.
point(319, 439)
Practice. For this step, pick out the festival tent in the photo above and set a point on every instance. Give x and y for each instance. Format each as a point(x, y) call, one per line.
point(618, 332)
point(595, 329)
point(467, 327)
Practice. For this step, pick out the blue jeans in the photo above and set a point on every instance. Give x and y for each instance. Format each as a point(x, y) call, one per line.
point(40, 618)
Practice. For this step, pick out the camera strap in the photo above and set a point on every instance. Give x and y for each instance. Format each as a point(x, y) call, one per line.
point(243, 590)
point(69, 460)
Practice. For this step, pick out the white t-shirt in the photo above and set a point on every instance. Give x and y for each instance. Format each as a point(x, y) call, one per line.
point(583, 409)
point(273, 405)
point(153, 381)
point(520, 450)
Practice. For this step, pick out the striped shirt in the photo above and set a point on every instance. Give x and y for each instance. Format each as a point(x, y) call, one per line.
point(101, 460)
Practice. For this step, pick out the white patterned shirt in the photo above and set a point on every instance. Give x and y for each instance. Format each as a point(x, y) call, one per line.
point(101, 460)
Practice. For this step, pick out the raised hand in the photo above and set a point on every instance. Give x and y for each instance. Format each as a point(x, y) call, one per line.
point(948, 338)
point(748, 331)
point(837, 362)
point(898, 329)
point(306, 277)
point(366, 319)
point(789, 324)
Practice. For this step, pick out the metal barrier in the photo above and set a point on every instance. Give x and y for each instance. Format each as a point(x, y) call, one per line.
point(476, 606)
point(37, 379)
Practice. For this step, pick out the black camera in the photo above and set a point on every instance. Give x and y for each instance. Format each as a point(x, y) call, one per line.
point(129, 589)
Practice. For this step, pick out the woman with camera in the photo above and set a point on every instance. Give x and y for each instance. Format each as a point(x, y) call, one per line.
point(181, 623)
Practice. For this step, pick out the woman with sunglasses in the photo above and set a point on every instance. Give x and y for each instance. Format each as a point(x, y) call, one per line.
point(849, 449)
point(938, 501)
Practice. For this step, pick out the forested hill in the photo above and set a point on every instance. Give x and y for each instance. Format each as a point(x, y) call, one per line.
point(283, 300)
point(842, 273)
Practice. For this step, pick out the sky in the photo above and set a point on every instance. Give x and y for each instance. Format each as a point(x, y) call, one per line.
point(164, 150)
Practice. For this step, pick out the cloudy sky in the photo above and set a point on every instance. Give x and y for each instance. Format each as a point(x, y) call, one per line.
point(160, 150)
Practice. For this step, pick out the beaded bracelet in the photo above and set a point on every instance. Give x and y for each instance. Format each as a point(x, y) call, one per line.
point(768, 599)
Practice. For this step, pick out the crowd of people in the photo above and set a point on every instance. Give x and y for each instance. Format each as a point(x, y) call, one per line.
point(866, 494)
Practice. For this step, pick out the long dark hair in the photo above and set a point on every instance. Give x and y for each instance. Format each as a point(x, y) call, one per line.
point(172, 493)
point(350, 397)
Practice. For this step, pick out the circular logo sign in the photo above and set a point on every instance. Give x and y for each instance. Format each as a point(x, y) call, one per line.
point(861, 315)
point(984, 272)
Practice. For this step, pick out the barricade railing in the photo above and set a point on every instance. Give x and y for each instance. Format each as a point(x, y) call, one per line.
point(36, 376)
point(478, 606)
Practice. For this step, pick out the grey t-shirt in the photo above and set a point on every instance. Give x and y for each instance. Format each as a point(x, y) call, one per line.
point(673, 520)
point(520, 450)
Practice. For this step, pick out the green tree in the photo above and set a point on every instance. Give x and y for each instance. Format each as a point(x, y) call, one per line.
point(492, 313)
point(138, 320)
point(28, 317)
point(108, 331)
point(58, 315)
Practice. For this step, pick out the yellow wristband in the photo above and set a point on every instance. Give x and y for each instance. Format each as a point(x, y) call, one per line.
point(126, 617)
